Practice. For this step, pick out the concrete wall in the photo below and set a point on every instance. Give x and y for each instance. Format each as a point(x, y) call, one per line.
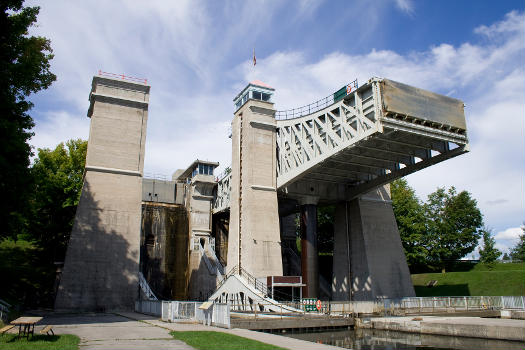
point(164, 254)
point(160, 191)
point(202, 278)
point(102, 260)
point(254, 219)
point(368, 250)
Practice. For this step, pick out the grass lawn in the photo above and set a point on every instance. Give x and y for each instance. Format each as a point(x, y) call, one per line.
point(44, 342)
point(502, 279)
point(208, 340)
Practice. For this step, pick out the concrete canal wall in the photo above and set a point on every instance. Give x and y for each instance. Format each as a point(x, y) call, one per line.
point(475, 327)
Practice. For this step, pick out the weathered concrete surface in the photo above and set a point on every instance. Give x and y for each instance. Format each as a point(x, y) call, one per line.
point(202, 280)
point(164, 249)
point(368, 250)
point(254, 237)
point(476, 327)
point(102, 259)
point(113, 332)
point(291, 323)
point(384, 339)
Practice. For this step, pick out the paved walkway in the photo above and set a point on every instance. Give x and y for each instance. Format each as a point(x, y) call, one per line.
point(284, 342)
point(114, 332)
point(133, 331)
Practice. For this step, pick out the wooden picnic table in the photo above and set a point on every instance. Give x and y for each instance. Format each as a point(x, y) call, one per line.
point(28, 323)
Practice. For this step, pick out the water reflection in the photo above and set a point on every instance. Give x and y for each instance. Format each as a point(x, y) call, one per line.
point(372, 339)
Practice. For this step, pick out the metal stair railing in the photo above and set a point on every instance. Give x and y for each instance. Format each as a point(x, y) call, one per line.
point(146, 288)
point(260, 286)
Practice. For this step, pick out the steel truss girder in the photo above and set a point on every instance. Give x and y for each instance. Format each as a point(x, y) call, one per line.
point(389, 146)
point(358, 133)
point(304, 142)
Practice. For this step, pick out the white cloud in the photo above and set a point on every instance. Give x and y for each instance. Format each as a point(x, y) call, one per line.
point(59, 126)
point(489, 77)
point(181, 49)
point(512, 22)
point(406, 6)
point(512, 233)
point(507, 239)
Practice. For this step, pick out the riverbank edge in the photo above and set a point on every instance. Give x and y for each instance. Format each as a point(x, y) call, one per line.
point(474, 327)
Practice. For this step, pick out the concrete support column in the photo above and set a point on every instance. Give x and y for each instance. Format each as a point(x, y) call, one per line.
point(102, 260)
point(254, 241)
point(309, 260)
point(369, 261)
point(341, 277)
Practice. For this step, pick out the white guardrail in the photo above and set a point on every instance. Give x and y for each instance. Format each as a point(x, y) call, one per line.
point(170, 311)
point(218, 314)
point(457, 303)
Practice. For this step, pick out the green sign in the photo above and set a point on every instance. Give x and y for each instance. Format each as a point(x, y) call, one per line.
point(309, 304)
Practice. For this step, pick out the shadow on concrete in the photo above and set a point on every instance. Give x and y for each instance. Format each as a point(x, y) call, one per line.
point(101, 266)
point(58, 318)
point(202, 282)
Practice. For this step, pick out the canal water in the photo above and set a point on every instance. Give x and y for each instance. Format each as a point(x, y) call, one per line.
point(373, 339)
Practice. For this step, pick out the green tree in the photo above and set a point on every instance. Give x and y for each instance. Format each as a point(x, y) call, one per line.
point(410, 219)
point(325, 228)
point(58, 177)
point(518, 251)
point(488, 254)
point(24, 69)
point(453, 223)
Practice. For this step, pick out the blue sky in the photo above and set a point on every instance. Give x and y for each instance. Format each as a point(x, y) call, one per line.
point(197, 56)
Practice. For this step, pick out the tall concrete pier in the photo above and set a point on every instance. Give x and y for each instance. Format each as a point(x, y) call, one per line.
point(369, 261)
point(254, 238)
point(102, 260)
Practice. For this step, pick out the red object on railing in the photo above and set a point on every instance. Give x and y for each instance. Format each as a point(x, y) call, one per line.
point(123, 77)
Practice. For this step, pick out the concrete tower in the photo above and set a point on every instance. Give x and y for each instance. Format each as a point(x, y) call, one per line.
point(254, 237)
point(102, 260)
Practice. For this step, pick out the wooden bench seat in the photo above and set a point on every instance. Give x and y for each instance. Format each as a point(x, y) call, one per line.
point(6, 328)
point(46, 330)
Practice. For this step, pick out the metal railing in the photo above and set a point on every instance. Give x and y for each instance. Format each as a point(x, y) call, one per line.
point(122, 77)
point(146, 288)
point(254, 282)
point(218, 314)
point(459, 303)
point(314, 106)
point(155, 176)
point(149, 307)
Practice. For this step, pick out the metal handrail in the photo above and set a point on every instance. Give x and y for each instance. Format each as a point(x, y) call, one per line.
point(146, 288)
point(312, 107)
point(122, 77)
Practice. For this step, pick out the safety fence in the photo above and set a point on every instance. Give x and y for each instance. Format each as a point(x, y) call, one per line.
point(460, 303)
point(149, 307)
point(218, 314)
point(411, 305)
point(215, 314)
point(122, 77)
